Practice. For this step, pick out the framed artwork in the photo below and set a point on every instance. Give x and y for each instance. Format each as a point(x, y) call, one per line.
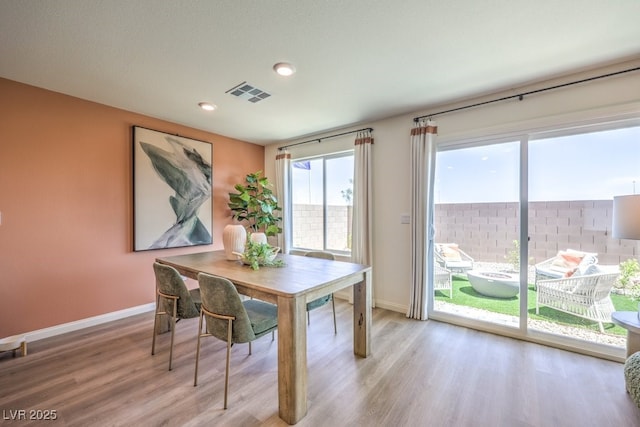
point(172, 182)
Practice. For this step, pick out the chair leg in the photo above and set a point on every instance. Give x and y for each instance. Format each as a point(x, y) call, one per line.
point(173, 330)
point(333, 305)
point(249, 348)
point(195, 375)
point(226, 375)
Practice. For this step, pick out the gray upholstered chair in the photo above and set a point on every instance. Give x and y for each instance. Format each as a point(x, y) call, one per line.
point(230, 319)
point(174, 300)
point(325, 299)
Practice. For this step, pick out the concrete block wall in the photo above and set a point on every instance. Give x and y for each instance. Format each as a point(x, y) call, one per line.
point(308, 230)
point(486, 231)
point(309, 223)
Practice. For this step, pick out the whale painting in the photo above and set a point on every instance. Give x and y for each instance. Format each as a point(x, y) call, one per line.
point(172, 190)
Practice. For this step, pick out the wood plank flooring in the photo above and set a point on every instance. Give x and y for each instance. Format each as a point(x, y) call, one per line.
point(419, 374)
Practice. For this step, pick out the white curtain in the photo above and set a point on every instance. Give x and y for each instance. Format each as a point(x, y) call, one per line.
point(361, 238)
point(283, 159)
point(423, 155)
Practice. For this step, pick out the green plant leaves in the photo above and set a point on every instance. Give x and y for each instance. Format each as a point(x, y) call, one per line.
point(257, 254)
point(255, 204)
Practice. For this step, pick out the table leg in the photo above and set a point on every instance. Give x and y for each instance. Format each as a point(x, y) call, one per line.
point(292, 359)
point(362, 316)
point(633, 343)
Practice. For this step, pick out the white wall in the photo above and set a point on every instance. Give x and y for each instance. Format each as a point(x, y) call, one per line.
point(617, 96)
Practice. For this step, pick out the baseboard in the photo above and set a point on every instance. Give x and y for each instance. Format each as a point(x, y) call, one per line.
point(391, 306)
point(85, 323)
point(127, 312)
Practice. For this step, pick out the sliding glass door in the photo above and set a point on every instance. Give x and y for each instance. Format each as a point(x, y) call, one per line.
point(557, 186)
point(573, 177)
point(477, 229)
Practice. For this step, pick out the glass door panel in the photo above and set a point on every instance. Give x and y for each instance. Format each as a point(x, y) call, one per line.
point(572, 181)
point(477, 229)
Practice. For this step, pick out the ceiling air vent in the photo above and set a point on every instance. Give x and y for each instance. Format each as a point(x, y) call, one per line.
point(249, 92)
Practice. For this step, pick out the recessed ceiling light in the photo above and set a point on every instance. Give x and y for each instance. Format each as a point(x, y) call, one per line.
point(284, 68)
point(206, 106)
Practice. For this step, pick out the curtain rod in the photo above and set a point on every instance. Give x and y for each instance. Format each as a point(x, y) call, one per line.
point(326, 137)
point(521, 96)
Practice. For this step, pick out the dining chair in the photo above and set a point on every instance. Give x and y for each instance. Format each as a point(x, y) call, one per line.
point(174, 300)
point(319, 302)
point(230, 319)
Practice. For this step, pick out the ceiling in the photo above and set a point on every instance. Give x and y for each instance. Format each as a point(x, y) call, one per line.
point(357, 61)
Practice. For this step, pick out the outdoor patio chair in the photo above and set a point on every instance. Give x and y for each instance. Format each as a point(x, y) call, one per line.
point(449, 256)
point(442, 280)
point(564, 264)
point(587, 296)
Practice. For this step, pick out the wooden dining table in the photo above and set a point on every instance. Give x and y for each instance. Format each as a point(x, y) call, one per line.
point(302, 279)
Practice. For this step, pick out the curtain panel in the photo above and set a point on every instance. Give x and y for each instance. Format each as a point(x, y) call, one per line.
point(361, 239)
point(423, 154)
point(282, 191)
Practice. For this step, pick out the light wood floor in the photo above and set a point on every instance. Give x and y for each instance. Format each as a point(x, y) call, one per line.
point(420, 374)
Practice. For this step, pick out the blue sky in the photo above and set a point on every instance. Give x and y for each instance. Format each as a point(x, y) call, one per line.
point(307, 183)
point(593, 166)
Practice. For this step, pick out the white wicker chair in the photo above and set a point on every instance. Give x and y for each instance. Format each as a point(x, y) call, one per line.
point(550, 269)
point(459, 264)
point(584, 296)
point(442, 280)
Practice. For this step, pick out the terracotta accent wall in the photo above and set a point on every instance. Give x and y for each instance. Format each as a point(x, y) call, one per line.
point(66, 203)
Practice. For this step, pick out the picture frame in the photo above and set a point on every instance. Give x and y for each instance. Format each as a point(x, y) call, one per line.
point(172, 190)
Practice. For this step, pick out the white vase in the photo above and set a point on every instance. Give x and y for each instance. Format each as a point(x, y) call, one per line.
point(233, 239)
point(258, 238)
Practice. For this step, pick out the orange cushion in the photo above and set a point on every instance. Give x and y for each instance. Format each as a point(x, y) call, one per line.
point(451, 254)
point(567, 260)
point(571, 260)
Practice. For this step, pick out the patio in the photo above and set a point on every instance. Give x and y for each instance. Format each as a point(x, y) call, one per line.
point(467, 302)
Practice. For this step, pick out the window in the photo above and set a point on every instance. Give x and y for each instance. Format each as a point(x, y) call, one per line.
point(322, 205)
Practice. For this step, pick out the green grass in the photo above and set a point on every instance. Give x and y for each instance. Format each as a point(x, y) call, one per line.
point(465, 295)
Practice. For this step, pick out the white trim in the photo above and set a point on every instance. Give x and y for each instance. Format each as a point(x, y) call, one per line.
point(347, 295)
point(11, 343)
point(392, 306)
point(88, 322)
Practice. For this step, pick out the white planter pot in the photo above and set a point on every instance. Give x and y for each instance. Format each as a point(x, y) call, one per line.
point(258, 238)
point(234, 238)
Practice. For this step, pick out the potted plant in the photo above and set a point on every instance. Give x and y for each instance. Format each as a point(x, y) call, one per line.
point(255, 204)
point(257, 254)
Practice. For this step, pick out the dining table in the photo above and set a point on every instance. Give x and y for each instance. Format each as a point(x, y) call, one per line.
point(300, 280)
